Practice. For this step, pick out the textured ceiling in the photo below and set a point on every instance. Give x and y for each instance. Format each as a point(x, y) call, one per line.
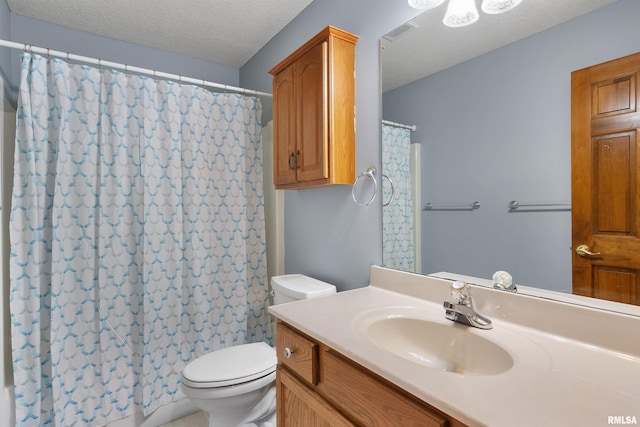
point(228, 32)
point(429, 46)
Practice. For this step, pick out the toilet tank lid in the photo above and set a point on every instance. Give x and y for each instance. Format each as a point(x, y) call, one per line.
point(299, 286)
point(231, 365)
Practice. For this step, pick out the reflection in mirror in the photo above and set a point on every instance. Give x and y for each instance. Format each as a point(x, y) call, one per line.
point(492, 106)
point(400, 212)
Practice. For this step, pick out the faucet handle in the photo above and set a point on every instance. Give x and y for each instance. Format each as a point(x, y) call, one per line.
point(461, 293)
point(503, 281)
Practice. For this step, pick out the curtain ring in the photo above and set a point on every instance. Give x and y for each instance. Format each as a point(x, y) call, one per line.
point(369, 173)
point(393, 191)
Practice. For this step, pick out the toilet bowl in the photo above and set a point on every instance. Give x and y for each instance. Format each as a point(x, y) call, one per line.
point(233, 385)
point(236, 385)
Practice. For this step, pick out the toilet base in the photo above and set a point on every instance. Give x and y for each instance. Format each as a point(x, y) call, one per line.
point(253, 409)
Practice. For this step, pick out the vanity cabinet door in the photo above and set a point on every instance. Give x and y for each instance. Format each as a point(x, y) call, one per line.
point(299, 406)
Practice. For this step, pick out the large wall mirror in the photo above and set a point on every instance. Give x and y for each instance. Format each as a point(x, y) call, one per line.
point(491, 106)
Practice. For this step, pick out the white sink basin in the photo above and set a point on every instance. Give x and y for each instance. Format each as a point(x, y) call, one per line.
point(442, 345)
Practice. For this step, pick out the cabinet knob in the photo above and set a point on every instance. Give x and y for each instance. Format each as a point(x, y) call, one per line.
point(288, 352)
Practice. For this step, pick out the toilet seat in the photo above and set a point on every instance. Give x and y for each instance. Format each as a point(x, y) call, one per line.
point(230, 366)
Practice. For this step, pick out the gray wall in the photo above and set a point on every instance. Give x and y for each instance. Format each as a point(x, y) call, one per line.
point(6, 71)
point(7, 124)
point(42, 34)
point(327, 236)
point(497, 128)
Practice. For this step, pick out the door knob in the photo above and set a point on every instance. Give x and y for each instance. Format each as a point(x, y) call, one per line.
point(583, 250)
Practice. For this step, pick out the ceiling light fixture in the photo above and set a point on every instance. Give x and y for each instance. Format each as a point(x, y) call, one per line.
point(461, 13)
point(425, 4)
point(464, 12)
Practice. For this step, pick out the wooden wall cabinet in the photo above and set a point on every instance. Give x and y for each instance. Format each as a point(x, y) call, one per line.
point(317, 386)
point(314, 113)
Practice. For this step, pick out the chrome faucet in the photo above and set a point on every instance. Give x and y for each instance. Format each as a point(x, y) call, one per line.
point(462, 310)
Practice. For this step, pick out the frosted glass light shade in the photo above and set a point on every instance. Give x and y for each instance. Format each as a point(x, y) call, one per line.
point(498, 6)
point(425, 4)
point(460, 13)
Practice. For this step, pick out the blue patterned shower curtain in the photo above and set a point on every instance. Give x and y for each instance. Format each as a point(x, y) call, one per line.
point(398, 243)
point(137, 238)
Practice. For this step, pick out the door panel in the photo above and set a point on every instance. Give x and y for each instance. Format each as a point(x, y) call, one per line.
point(311, 90)
point(614, 96)
point(614, 172)
point(284, 128)
point(615, 284)
point(605, 186)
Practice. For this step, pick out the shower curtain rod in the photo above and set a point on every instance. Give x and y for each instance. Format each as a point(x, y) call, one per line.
point(412, 128)
point(129, 68)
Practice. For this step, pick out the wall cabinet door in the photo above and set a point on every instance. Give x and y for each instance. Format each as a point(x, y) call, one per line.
point(311, 102)
point(284, 128)
point(314, 113)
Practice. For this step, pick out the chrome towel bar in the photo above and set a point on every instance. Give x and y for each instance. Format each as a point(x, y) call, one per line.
point(470, 207)
point(515, 205)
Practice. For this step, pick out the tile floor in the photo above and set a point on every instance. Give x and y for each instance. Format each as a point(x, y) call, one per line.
point(197, 419)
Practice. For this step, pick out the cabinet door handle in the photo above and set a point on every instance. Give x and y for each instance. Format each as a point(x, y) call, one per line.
point(298, 159)
point(292, 157)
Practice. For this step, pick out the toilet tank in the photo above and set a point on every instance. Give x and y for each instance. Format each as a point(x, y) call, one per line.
point(294, 287)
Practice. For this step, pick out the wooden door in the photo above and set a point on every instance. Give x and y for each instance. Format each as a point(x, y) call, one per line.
point(284, 128)
point(300, 406)
point(605, 186)
point(311, 100)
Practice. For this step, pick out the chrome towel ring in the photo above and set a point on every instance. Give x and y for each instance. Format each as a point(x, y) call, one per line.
point(370, 173)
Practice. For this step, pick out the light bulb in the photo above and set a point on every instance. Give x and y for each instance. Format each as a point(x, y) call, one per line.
point(498, 6)
point(460, 13)
point(425, 4)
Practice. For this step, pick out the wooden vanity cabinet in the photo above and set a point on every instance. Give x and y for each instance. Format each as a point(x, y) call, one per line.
point(314, 113)
point(317, 386)
point(299, 406)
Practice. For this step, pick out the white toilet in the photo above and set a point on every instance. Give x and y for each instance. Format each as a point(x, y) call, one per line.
point(236, 385)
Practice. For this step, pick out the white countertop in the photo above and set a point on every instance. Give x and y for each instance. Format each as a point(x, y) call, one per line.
point(557, 379)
